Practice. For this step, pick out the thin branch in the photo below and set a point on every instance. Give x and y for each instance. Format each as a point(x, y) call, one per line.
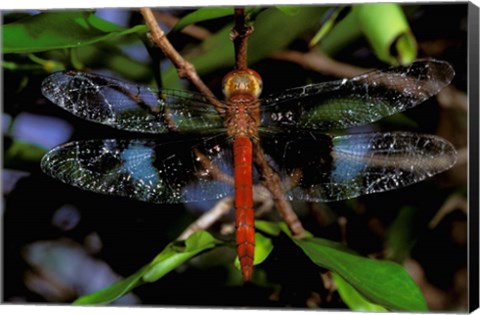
point(213, 171)
point(451, 97)
point(185, 69)
point(316, 61)
point(455, 202)
point(240, 34)
point(271, 180)
point(261, 196)
point(221, 208)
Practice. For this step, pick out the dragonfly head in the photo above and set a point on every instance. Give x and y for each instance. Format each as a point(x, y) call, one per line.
point(245, 81)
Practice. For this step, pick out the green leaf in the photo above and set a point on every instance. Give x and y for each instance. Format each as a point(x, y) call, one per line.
point(54, 30)
point(285, 229)
point(342, 34)
point(174, 255)
point(203, 14)
point(354, 300)
point(388, 32)
point(385, 27)
point(267, 227)
point(263, 248)
point(381, 282)
point(289, 9)
point(209, 13)
point(337, 15)
point(171, 257)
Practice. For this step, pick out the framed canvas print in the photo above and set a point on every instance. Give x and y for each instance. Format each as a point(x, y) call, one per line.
point(262, 156)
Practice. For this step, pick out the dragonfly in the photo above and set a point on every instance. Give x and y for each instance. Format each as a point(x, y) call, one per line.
point(297, 130)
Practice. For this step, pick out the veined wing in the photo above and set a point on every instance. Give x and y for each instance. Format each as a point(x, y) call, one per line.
point(130, 107)
point(358, 101)
point(317, 167)
point(146, 169)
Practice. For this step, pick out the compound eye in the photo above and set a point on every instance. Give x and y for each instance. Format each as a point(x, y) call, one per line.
point(258, 81)
point(227, 85)
point(260, 85)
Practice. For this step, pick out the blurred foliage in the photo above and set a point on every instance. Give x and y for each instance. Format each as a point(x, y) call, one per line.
point(41, 32)
point(20, 152)
point(401, 235)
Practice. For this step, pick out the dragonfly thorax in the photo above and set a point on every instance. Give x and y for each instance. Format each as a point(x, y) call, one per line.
point(243, 117)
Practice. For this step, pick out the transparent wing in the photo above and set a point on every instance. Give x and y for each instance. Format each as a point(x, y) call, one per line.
point(128, 106)
point(358, 101)
point(317, 167)
point(146, 170)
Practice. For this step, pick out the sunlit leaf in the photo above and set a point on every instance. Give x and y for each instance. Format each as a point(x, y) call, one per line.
point(289, 9)
point(174, 256)
point(267, 227)
point(381, 282)
point(385, 27)
point(337, 15)
point(388, 32)
point(203, 14)
point(354, 300)
point(342, 34)
point(263, 248)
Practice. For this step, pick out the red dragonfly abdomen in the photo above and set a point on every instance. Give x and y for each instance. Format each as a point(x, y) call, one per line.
point(241, 89)
point(242, 151)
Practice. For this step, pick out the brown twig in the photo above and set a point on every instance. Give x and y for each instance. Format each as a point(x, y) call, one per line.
point(451, 97)
point(185, 69)
point(240, 34)
point(271, 180)
point(261, 196)
point(212, 170)
point(452, 203)
point(316, 61)
point(208, 218)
